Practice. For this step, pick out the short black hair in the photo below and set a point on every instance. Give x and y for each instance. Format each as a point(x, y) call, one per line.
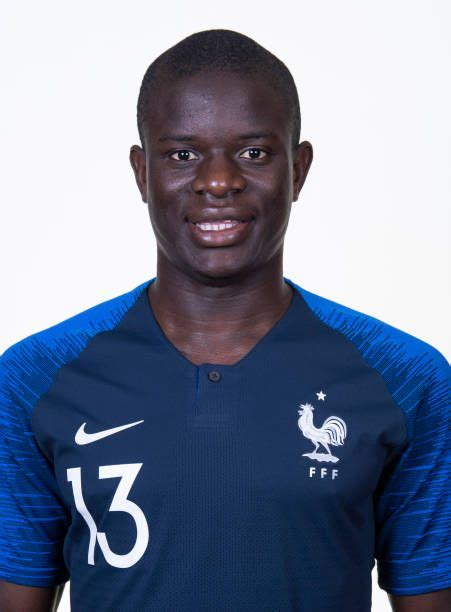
point(218, 50)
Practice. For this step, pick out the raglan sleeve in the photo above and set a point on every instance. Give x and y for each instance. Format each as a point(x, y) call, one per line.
point(412, 506)
point(33, 519)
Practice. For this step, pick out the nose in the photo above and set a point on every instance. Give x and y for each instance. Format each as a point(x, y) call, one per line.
point(219, 176)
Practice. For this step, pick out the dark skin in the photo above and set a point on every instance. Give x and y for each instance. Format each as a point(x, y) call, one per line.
point(214, 302)
point(19, 598)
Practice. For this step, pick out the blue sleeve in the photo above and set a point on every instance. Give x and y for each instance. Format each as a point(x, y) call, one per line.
point(412, 506)
point(33, 520)
point(33, 517)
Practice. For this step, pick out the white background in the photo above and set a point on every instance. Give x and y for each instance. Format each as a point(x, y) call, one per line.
point(371, 227)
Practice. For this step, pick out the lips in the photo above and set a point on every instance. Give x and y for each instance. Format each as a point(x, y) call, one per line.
point(220, 232)
point(218, 226)
point(216, 219)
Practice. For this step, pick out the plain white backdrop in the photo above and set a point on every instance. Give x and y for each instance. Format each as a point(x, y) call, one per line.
point(371, 227)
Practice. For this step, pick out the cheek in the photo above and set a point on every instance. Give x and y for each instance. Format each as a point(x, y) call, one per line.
point(160, 214)
point(276, 210)
point(162, 222)
point(272, 183)
point(168, 178)
point(276, 201)
point(168, 201)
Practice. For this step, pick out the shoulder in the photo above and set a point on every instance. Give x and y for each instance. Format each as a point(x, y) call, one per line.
point(371, 335)
point(28, 366)
point(412, 369)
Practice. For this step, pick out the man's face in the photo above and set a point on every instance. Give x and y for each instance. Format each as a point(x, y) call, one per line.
point(218, 147)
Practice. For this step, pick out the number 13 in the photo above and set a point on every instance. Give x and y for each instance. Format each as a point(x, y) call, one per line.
point(127, 472)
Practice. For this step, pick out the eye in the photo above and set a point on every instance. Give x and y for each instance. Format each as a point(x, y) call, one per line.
point(254, 153)
point(183, 155)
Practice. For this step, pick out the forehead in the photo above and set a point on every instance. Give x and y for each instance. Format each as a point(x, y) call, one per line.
point(212, 105)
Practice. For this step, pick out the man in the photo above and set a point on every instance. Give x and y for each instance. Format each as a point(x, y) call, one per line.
point(220, 438)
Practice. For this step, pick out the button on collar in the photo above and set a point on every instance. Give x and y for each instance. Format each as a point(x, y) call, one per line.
point(214, 376)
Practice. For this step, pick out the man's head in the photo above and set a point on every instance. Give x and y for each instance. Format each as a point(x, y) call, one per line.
point(219, 123)
point(219, 51)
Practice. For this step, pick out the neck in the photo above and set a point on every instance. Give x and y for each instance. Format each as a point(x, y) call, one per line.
point(307, 417)
point(219, 308)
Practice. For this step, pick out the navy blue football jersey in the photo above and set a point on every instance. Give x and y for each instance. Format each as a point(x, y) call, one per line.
point(273, 484)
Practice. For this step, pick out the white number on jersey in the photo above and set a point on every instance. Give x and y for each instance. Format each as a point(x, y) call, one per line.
point(127, 472)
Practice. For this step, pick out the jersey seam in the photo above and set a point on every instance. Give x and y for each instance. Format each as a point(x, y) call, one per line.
point(63, 365)
point(364, 359)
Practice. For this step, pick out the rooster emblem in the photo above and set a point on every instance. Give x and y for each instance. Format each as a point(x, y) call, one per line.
point(332, 432)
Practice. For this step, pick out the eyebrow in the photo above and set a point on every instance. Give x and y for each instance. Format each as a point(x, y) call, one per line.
point(190, 138)
point(177, 137)
point(254, 135)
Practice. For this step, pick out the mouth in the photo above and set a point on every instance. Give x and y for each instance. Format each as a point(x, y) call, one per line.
point(220, 232)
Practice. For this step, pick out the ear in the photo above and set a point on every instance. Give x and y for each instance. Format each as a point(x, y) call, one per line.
point(302, 159)
point(138, 163)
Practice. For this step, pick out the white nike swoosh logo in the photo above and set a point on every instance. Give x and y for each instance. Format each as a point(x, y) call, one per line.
point(82, 437)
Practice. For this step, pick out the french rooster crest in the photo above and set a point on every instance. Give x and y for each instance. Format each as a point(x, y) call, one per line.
point(333, 431)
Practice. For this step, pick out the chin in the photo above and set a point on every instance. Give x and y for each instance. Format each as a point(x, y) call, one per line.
point(221, 274)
